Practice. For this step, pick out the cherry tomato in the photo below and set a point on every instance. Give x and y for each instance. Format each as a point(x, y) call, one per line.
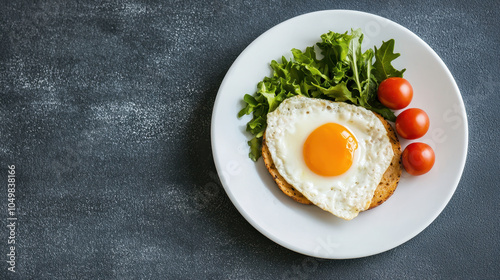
point(412, 123)
point(418, 158)
point(395, 93)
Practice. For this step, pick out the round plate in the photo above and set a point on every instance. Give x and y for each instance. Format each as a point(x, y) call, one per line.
point(305, 228)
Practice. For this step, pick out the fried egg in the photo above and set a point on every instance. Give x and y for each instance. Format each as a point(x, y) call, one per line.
point(334, 153)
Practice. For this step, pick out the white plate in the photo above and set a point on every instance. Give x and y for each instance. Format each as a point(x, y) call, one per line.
point(307, 229)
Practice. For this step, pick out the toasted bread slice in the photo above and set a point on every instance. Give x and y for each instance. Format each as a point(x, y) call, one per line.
point(391, 177)
point(384, 190)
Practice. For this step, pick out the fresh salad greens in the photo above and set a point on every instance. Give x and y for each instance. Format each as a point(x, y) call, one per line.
point(344, 73)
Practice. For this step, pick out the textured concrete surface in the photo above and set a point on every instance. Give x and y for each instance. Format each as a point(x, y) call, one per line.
point(105, 112)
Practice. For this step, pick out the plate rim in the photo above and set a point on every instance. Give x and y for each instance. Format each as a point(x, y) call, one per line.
point(293, 247)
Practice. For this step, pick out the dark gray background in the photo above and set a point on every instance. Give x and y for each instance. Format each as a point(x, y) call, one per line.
point(105, 111)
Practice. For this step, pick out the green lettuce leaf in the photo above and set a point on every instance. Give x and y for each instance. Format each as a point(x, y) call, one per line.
point(383, 68)
point(255, 147)
point(344, 73)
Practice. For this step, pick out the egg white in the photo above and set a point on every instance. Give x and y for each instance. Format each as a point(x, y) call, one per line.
point(345, 195)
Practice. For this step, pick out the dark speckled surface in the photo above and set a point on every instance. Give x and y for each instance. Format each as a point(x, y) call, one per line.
point(105, 111)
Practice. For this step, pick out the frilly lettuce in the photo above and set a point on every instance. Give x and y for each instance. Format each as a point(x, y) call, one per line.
point(344, 74)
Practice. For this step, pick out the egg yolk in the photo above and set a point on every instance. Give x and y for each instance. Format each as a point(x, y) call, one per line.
point(329, 150)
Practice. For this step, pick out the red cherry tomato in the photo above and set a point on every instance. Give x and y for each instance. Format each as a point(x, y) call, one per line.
point(395, 93)
point(412, 123)
point(418, 158)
